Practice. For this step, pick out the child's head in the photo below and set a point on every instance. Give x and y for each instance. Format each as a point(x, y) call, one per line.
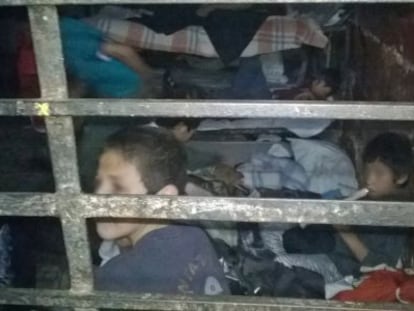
point(183, 129)
point(388, 162)
point(141, 160)
point(138, 161)
point(326, 84)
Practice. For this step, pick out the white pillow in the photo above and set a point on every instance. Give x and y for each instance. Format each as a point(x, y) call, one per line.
point(327, 166)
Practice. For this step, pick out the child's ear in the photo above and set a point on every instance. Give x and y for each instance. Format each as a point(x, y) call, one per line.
point(402, 179)
point(168, 190)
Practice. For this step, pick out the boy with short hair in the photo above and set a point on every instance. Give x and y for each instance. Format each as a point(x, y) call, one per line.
point(388, 162)
point(162, 257)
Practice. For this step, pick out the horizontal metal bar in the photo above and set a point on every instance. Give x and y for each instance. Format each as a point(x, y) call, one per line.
point(356, 110)
point(118, 301)
point(28, 204)
point(59, 2)
point(215, 209)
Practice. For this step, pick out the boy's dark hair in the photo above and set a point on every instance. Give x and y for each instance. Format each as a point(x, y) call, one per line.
point(158, 156)
point(332, 78)
point(170, 123)
point(392, 149)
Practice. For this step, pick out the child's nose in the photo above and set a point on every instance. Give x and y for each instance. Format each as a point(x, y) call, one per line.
point(370, 182)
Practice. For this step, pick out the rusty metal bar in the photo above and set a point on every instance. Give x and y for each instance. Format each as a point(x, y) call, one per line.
point(400, 214)
point(47, 45)
point(28, 204)
point(354, 110)
point(46, 40)
point(123, 301)
point(61, 2)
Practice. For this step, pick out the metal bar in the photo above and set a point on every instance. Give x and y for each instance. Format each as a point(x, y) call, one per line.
point(61, 2)
point(162, 302)
point(47, 45)
point(354, 110)
point(398, 214)
point(28, 204)
point(62, 148)
point(77, 247)
point(252, 210)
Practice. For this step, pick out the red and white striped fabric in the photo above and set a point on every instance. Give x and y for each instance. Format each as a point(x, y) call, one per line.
point(277, 33)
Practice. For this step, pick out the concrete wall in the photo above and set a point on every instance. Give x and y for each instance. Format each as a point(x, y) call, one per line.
point(384, 53)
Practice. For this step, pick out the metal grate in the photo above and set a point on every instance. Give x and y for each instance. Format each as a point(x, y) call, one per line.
point(73, 207)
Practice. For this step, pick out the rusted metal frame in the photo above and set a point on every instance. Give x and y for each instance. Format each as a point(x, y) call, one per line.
point(59, 2)
point(163, 302)
point(28, 204)
point(356, 110)
point(251, 210)
point(210, 208)
point(49, 60)
point(73, 235)
point(47, 45)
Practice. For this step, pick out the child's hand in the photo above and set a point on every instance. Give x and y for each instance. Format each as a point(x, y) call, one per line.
point(306, 95)
point(228, 174)
point(117, 50)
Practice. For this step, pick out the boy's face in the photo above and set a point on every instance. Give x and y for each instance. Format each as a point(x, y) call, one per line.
point(380, 179)
point(117, 176)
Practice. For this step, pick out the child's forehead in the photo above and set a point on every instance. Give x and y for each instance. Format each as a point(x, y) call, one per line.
point(379, 164)
point(115, 159)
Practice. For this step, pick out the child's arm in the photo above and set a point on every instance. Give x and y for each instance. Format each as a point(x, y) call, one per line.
point(128, 56)
point(357, 247)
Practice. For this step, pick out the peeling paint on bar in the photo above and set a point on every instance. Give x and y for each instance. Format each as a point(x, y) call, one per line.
point(181, 303)
point(256, 210)
point(47, 45)
point(49, 59)
point(28, 204)
point(354, 110)
point(76, 207)
point(89, 2)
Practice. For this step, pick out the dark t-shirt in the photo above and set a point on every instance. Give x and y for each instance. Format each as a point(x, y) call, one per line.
point(385, 246)
point(176, 259)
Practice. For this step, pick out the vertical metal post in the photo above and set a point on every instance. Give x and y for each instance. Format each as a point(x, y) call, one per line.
point(44, 23)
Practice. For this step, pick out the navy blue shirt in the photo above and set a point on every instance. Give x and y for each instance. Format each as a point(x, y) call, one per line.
point(176, 259)
point(385, 246)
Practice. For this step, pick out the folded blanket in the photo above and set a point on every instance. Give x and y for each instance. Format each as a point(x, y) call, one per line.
point(266, 171)
point(277, 33)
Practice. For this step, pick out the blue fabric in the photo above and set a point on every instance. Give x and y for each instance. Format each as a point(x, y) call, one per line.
point(176, 259)
point(109, 78)
point(248, 83)
point(333, 195)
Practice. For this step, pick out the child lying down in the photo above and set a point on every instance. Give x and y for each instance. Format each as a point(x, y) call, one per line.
point(108, 69)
